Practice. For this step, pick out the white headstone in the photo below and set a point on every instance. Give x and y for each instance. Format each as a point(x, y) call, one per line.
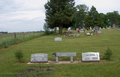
point(77, 29)
point(39, 58)
point(88, 34)
point(90, 56)
point(58, 39)
point(103, 28)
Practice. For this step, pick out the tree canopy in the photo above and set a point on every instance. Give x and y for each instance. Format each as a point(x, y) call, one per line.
point(59, 13)
point(79, 16)
point(63, 14)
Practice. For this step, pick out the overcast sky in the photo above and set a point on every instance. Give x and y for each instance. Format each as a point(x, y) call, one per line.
point(29, 15)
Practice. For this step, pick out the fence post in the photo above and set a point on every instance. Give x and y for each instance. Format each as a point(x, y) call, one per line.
point(23, 35)
point(14, 36)
point(33, 34)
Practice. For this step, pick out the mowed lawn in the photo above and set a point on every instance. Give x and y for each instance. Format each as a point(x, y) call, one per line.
point(97, 43)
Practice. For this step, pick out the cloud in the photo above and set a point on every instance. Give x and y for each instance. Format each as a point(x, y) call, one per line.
point(22, 15)
point(102, 6)
point(29, 15)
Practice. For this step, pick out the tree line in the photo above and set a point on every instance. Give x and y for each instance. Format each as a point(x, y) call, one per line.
point(64, 14)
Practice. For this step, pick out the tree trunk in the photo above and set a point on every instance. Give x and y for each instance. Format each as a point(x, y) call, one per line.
point(60, 29)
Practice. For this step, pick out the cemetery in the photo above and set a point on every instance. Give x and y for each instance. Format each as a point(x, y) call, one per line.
point(73, 55)
point(78, 40)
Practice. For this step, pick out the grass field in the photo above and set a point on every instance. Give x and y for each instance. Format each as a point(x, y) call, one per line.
point(11, 38)
point(11, 35)
point(9, 65)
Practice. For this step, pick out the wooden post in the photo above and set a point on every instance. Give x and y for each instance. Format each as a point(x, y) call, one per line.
point(33, 34)
point(14, 36)
point(23, 35)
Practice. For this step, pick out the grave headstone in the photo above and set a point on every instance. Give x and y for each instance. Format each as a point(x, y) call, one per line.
point(109, 27)
point(114, 26)
point(90, 28)
point(81, 31)
point(77, 35)
point(99, 31)
point(103, 28)
point(96, 29)
point(77, 29)
point(58, 39)
point(88, 34)
point(90, 56)
point(118, 29)
point(39, 58)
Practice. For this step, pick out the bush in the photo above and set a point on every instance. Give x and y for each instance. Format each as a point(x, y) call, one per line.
point(4, 43)
point(19, 55)
point(107, 54)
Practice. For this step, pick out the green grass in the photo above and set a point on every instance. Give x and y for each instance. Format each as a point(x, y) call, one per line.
point(98, 43)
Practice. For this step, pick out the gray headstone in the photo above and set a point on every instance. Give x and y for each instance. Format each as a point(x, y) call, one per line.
point(99, 31)
point(97, 28)
point(118, 29)
point(58, 39)
point(77, 35)
point(103, 28)
point(37, 58)
point(90, 56)
point(81, 31)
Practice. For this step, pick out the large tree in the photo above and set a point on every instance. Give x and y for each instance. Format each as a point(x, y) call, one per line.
point(104, 20)
point(79, 16)
point(114, 17)
point(59, 13)
point(93, 18)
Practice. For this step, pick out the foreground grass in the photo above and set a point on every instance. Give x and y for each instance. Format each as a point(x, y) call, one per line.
point(46, 44)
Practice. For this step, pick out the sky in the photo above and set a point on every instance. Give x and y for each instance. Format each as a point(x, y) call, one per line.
point(29, 15)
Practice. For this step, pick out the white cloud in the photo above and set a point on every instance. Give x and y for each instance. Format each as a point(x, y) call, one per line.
point(29, 15)
point(22, 15)
point(102, 6)
point(31, 4)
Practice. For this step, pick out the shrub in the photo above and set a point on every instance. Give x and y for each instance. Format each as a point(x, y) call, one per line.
point(107, 54)
point(19, 55)
point(4, 43)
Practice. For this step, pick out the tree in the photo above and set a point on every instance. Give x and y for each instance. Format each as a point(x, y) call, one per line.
point(80, 15)
point(59, 13)
point(46, 28)
point(93, 18)
point(114, 17)
point(104, 20)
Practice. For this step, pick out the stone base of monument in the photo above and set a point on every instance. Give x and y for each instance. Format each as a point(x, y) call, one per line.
point(54, 62)
point(68, 62)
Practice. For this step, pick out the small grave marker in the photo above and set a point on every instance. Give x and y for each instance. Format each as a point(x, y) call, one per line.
point(58, 39)
point(99, 31)
point(118, 29)
point(81, 31)
point(77, 35)
point(39, 57)
point(96, 29)
point(90, 56)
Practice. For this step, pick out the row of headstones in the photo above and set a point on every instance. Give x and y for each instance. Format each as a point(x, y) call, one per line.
point(89, 56)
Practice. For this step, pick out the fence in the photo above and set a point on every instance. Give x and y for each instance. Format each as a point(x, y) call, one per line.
point(14, 38)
